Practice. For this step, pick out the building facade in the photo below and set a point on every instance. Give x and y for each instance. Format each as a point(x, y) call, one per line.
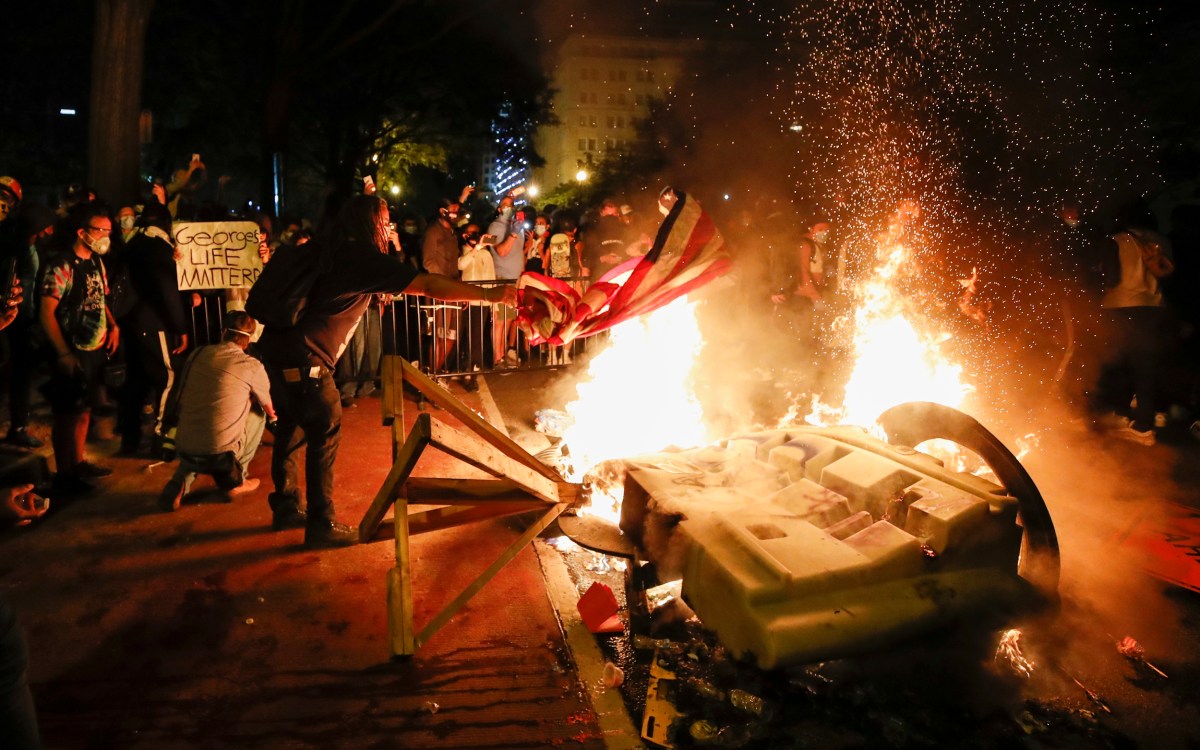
point(603, 85)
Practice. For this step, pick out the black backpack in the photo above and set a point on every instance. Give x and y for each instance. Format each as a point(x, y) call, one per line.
point(279, 296)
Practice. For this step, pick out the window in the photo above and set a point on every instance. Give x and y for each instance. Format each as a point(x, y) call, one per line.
point(591, 144)
point(639, 100)
point(593, 121)
point(621, 99)
point(583, 121)
point(583, 97)
point(621, 122)
point(608, 145)
point(612, 76)
point(592, 99)
point(583, 144)
point(610, 99)
point(612, 122)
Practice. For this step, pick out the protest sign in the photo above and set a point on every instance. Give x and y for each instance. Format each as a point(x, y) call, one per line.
point(217, 254)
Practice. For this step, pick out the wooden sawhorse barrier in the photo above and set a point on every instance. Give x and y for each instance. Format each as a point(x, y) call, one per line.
point(522, 484)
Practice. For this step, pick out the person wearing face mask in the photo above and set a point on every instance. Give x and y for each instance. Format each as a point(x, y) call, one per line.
point(155, 325)
point(812, 260)
point(538, 244)
point(126, 218)
point(508, 255)
point(83, 333)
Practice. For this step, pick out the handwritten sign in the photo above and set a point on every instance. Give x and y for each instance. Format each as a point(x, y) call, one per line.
point(217, 254)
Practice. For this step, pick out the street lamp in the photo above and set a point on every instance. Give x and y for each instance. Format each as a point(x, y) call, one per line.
point(581, 175)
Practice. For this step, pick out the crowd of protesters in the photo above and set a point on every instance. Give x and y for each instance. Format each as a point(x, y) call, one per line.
point(103, 323)
point(105, 326)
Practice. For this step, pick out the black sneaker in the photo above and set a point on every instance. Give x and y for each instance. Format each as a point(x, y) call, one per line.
point(89, 470)
point(22, 439)
point(331, 534)
point(171, 496)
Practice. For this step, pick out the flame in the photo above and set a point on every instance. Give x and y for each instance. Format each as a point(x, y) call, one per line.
point(1009, 649)
point(893, 361)
point(637, 398)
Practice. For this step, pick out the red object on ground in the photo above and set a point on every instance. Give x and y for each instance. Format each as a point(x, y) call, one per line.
point(598, 608)
point(1166, 544)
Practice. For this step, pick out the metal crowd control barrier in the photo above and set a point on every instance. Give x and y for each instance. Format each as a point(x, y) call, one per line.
point(522, 484)
point(446, 339)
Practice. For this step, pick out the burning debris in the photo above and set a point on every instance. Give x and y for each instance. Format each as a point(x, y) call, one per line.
point(1009, 651)
point(1134, 652)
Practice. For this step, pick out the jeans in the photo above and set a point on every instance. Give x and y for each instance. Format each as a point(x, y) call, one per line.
point(310, 416)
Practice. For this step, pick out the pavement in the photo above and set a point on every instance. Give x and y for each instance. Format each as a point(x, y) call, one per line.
point(205, 629)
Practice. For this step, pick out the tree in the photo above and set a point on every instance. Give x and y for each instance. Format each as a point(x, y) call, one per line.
point(116, 98)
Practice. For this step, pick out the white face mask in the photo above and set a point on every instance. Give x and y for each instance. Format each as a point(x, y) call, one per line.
point(101, 245)
point(539, 229)
point(820, 237)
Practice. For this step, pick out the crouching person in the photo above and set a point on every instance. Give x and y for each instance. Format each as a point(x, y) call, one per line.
point(218, 430)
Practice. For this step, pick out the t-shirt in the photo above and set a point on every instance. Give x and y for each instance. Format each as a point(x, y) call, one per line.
point(80, 287)
point(512, 265)
point(439, 250)
point(337, 301)
point(215, 401)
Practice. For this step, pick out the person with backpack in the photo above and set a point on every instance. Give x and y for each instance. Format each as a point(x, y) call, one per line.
point(310, 303)
point(83, 334)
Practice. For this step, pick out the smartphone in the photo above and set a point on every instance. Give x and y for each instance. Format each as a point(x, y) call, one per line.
point(195, 157)
point(8, 277)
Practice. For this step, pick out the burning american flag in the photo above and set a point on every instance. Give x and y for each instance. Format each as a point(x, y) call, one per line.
point(687, 253)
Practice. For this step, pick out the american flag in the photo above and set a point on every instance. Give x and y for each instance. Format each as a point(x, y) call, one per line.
point(687, 253)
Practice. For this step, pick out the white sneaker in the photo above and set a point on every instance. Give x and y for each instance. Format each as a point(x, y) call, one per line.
point(510, 358)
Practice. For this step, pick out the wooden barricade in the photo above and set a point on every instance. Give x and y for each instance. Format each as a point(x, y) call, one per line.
point(522, 484)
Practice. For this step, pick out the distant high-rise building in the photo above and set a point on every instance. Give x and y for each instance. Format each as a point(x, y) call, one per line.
point(603, 85)
point(505, 165)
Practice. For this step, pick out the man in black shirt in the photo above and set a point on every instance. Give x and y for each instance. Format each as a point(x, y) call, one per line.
point(300, 360)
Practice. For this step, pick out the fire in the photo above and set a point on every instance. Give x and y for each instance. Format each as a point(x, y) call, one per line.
point(893, 361)
point(637, 397)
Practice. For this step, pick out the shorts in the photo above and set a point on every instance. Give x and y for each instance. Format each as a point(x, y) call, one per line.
point(77, 392)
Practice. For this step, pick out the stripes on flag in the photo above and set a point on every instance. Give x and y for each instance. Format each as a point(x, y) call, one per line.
point(687, 253)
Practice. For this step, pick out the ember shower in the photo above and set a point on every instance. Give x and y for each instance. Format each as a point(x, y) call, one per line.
point(988, 115)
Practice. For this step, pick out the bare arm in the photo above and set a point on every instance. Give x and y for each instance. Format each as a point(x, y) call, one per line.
point(445, 288)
